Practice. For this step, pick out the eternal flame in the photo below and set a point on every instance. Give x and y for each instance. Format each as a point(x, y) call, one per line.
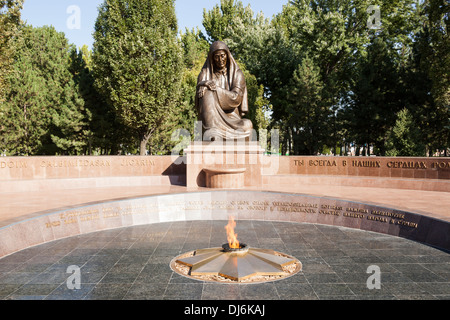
point(221, 98)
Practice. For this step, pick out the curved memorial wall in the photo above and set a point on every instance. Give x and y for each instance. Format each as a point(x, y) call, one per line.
point(252, 202)
point(219, 205)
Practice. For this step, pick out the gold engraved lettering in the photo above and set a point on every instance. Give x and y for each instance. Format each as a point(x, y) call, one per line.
point(13, 165)
point(322, 163)
point(441, 165)
point(110, 215)
point(404, 223)
point(407, 165)
point(53, 224)
point(299, 163)
point(137, 163)
point(70, 221)
point(329, 212)
point(111, 212)
point(296, 209)
point(294, 204)
point(260, 203)
point(90, 217)
point(388, 214)
point(353, 215)
point(366, 164)
point(380, 219)
point(257, 208)
point(195, 203)
point(357, 210)
point(74, 163)
point(329, 207)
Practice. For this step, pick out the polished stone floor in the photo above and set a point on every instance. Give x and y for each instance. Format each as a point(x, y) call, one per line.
point(133, 264)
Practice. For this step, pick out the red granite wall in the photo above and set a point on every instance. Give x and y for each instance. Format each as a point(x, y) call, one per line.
point(29, 168)
point(417, 168)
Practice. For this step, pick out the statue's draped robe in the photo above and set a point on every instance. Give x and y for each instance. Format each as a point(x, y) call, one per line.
point(220, 110)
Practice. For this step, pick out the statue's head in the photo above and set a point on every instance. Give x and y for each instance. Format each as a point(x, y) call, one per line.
point(219, 55)
point(220, 58)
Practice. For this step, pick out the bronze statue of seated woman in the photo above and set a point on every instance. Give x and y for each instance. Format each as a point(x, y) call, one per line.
point(222, 97)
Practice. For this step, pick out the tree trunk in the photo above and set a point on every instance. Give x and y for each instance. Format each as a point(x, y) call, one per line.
point(143, 147)
point(144, 137)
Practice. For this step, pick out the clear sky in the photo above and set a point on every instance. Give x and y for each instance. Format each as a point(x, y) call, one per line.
point(76, 18)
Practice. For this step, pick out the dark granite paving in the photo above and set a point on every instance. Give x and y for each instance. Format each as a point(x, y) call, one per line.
point(133, 263)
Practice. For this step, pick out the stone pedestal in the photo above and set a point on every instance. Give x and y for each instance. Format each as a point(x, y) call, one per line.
point(226, 165)
point(225, 178)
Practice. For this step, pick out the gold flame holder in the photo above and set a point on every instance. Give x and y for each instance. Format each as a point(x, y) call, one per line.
point(238, 264)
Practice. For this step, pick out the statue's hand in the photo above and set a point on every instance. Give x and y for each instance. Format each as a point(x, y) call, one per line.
point(201, 92)
point(211, 85)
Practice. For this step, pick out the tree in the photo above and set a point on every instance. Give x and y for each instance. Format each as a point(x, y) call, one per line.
point(43, 112)
point(437, 25)
point(308, 115)
point(137, 62)
point(259, 105)
point(429, 76)
point(317, 40)
point(376, 96)
point(219, 21)
point(9, 29)
point(404, 139)
point(104, 134)
point(195, 51)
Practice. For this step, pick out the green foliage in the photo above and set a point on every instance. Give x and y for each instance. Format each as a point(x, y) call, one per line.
point(316, 71)
point(308, 115)
point(426, 77)
point(104, 135)
point(9, 29)
point(258, 103)
point(43, 112)
point(377, 95)
point(436, 25)
point(195, 49)
point(222, 18)
point(404, 138)
point(305, 33)
point(137, 62)
point(359, 70)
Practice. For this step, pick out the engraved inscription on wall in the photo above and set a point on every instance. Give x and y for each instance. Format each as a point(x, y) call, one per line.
point(59, 162)
point(262, 206)
point(393, 164)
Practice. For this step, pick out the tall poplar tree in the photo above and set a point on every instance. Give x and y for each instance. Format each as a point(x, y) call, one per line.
point(137, 62)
